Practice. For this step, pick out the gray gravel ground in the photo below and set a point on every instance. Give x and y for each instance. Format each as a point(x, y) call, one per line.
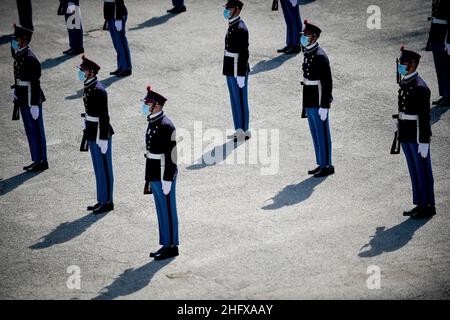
point(243, 235)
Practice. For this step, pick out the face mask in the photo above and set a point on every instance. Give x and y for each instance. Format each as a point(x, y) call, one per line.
point(304, 40)
point(14, 44)
point(145, 109)
point(81, 75)
point(402, 69)
point(227, 13)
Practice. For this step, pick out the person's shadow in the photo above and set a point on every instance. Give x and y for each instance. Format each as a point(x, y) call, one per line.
point(132, 280)
point(271, 64)
point(389, 240)
point(215, 155)
point(53, 62)
point(294, 193)
point(106, 83)
point(67, 231)
point(153, 22)
point(437, 112)
point(12, 183)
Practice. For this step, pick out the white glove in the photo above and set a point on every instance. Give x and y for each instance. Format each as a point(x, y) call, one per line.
point(103, 144)
point(423, 149)
point(13, 94)
point(447, 47)
point(84, 123)
point(34, 112)
point(118, 25)
point(166, 186)
point(71, 7)
point(323, 113)
point(294, 2)
point(240, 81)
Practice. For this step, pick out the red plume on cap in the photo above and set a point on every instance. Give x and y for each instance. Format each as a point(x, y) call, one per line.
point(306, 21)
point(402, 47)
point(149, 88)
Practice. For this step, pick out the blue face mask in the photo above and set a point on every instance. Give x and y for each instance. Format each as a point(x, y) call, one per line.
point(304, 41)
point(81, 75)
point(227, 13)
point(145, 109)
point(14, 44)
point(402, 69)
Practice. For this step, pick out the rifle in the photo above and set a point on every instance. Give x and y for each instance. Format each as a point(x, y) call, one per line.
point(84, 144)
point(16, 109)
point(147, 188)
point(275, 5)
point(395, 148)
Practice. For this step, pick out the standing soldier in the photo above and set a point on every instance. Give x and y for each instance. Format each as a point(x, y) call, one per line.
point(236, 68)
point(178, 7)
point(291, 13)
point(414, 132)
point(25, 11)
point(317, 97)
point(161, 172)
point(439, 40)
point(116, 15)
point(70, 9)
point(28, 97)
point(98, 134)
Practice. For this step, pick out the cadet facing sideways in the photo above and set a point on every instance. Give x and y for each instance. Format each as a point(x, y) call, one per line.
point(161, 172)
point(70, 9)
point(291, 13)
point(98, 134)
point(414, 133)
point(317, 97)
point(28, 97)
point(236, 68)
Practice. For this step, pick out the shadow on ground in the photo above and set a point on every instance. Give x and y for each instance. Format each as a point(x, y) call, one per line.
point(67, 231)
point(106, 82)
point(215, 156)
point(294, 193)
point(389, 240)
point(12, 183)
point(153, 22)
point(132, 280)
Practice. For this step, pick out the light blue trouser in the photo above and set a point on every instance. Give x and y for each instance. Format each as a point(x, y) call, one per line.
point(166, 210)
point(35, 132)
point(293, 22)
point(120, 43)
point(178, 3)
point(104, 177)
point(320, 132)
point(239, 103)
point(421, 175)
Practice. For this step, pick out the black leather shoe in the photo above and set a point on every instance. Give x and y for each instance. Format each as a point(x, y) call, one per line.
point(94, 207)
point(115, 72)
point(438, 101)
point(153, 254)
point(124, 73)
point(443, 103)
point(284, 49)
point(294, 50)
point(73, 52)
point(166, 253)
point(316, 170)
point(104, 208)
point(175, 10)
point(39, 166)
point(423, 213)
point(29, 166)
point(411, 212)
point(324, 172)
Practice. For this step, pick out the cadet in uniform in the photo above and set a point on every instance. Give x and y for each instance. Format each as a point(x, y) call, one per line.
point(439, 37)
point(116, 14)
point(28, 97)
point(236, 68)
point(291, 13)
point(414, 132)
point(98, 134)
point(178, 7)
point(161, 172)
point(317, 97)
point(70, 9)
point(25, 11)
